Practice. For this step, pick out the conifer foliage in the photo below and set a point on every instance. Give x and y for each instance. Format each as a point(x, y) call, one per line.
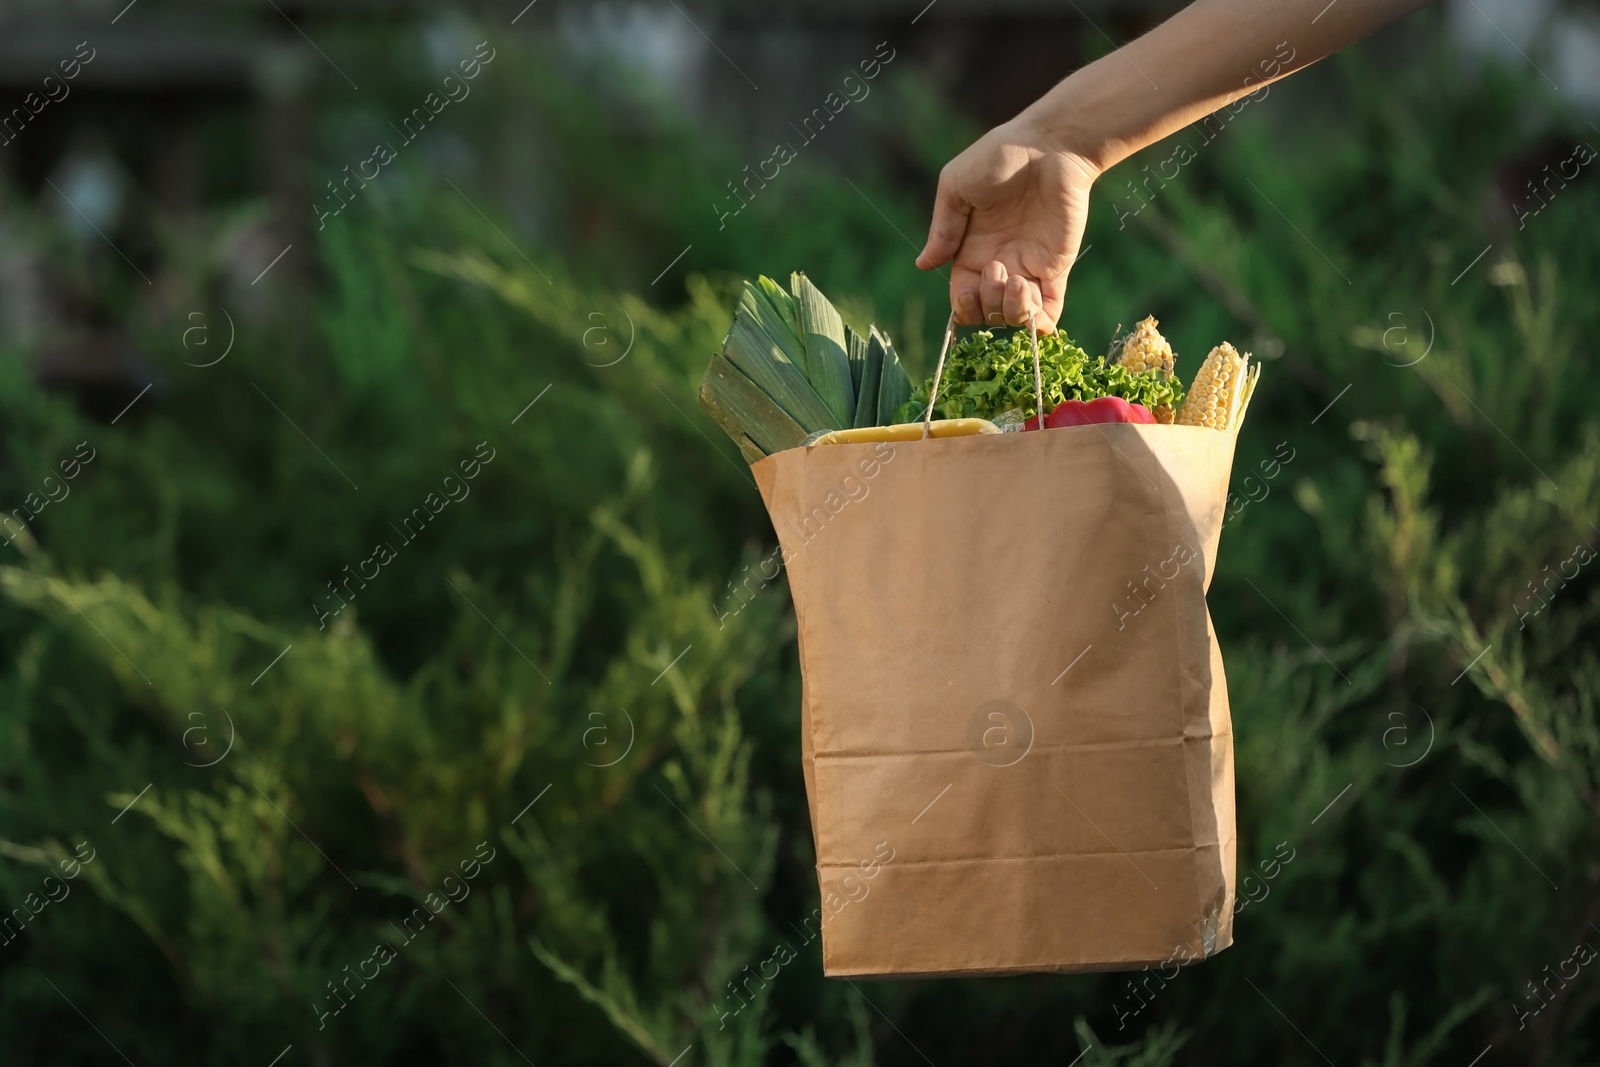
point(527, 787)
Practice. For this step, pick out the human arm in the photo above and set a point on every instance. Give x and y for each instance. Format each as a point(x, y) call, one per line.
point(1010, 210)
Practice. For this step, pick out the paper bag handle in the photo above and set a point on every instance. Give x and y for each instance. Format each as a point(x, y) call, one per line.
point(938, 372)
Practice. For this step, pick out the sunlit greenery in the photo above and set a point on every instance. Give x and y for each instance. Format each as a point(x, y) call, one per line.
point(1410, 722)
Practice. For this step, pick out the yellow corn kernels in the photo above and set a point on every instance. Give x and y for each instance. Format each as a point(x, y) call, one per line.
point(1217, 395)
point(1145, 350)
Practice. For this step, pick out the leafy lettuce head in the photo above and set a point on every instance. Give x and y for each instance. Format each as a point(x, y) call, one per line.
point(989, 373)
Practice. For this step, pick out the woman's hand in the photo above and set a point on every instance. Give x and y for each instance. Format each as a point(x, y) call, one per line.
point(1010, 210)
point(1009, 217)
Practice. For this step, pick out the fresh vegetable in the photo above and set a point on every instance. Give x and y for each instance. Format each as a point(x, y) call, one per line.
point(765, 359)
point(790, 367)
point(895, 386)
point(907, 431)
point(1086, 412)
point(827, 364)
point(1146, 351)
point(866, 371)
point(758, 425)
point(987, 374)
point(1221, 390)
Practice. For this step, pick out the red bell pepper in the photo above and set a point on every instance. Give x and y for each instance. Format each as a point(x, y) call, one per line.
point(1085, 412)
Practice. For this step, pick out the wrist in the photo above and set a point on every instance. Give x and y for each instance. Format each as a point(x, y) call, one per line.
point(1045, 138)
point(1100, 114)
point(1037, 127)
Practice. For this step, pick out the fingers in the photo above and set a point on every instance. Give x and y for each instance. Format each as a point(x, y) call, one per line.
point(964, 298)
point(996, 297)
point(1002, 299)
point(1052, 297)
point(948, 227)
point(1021, 300)
point(992, 293)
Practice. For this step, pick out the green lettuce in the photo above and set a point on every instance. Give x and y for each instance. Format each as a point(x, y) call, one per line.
point(987, 374)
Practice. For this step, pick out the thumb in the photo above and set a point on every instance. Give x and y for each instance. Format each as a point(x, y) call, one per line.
point(949, 225)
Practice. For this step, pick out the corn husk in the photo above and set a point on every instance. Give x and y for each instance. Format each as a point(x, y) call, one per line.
point(1246, 392)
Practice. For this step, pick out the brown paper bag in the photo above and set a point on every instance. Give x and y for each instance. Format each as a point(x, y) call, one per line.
point(1015, 728)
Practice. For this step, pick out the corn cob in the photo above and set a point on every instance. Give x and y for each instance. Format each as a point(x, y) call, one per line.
point(1216, 398)
point(1145, 350)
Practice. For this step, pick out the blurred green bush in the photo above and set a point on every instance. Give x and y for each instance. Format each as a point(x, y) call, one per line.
point(540, 676)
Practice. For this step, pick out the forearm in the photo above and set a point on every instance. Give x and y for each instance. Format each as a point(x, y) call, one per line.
point(1203, 58)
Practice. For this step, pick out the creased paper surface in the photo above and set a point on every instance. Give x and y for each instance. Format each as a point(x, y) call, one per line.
point(1011, 678)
